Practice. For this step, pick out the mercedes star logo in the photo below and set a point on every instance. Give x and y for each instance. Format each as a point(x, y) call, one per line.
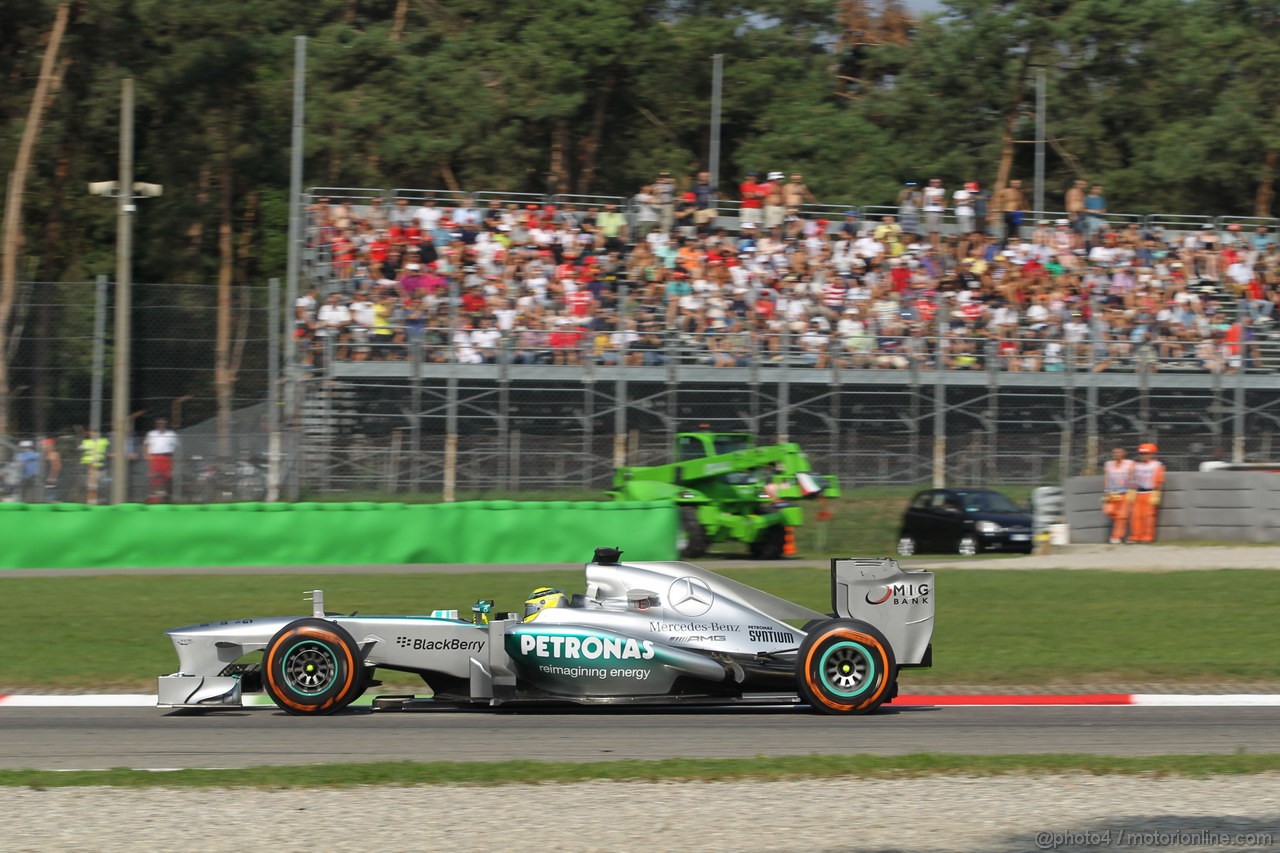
point(690, 596)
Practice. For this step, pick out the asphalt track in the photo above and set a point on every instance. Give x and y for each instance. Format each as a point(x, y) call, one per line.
point(49, 738)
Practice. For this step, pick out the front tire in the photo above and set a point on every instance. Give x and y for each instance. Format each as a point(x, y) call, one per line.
point(845, 666)
point(312, 667)
point(693, 536)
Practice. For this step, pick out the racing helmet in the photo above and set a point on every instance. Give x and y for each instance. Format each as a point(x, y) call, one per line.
point(542, 598)
point(1147, 448)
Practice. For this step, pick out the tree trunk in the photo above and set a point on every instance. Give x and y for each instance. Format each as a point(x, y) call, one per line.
point(1007, 150)
point(591, 144)
point(244, 254)
point(51, 258)
point(559, 178)
point(222, 378)
point(12, 237)
point(449, 178)
point(195, 231)
point(1266, 185)
point(402, 12)
point(1007, 144)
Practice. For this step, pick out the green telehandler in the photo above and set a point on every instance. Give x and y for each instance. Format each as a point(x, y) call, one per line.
point(728, 489)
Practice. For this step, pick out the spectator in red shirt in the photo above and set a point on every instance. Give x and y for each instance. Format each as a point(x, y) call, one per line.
point(580, 302)
point(566, 342)
point(473, 301)
point(753, 193)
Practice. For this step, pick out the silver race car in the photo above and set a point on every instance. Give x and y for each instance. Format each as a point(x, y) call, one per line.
point(659, 633)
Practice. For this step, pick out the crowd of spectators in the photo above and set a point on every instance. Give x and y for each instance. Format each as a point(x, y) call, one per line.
point(960, 280)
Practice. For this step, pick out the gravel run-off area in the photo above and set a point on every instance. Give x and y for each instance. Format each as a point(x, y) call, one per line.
point(1133, 558)
point(945, 813)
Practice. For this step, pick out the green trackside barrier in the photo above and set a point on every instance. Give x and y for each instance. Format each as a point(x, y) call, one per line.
point(38, 536)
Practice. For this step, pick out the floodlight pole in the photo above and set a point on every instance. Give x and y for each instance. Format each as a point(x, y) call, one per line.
point(293, 272)
point(295, 194)
point(124, 302)
point(717, 87)
point(1040, 133)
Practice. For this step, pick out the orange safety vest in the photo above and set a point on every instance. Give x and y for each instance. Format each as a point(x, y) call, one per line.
point(1148, 476)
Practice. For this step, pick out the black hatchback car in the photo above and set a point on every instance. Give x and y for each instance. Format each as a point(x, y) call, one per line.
point(963, 521)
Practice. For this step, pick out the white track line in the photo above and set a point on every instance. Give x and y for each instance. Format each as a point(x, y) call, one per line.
point(1166, 700)
point(1233, 700)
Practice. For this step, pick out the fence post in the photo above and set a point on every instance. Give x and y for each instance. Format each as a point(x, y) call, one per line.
point(273, 389)
point(99, 355)
point(620, 386)
point(673, 385)
point(1091, 425)
point(940, 407)
point(415, 420)
point(449, 491)
point(784, 389)
point(1237, 415)
point(450, 484)
point(1068, 427)
point(992, 450)
point(588, 419)
point(504, 356)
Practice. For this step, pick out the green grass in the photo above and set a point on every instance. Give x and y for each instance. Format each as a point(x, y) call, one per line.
point(1014, 628)
point(402, 773)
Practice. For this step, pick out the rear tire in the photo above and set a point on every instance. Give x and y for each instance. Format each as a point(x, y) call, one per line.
point(769, 544)
point(313, 667)
point(693, 536)
point(845, 666)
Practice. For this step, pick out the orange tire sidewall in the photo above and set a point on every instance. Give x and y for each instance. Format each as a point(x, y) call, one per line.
point(315, 633)
point(858, 637)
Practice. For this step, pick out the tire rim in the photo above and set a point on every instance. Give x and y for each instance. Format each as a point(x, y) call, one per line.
point(309, 668)
point(906, 546)
point(847, 669)
point(968, 547)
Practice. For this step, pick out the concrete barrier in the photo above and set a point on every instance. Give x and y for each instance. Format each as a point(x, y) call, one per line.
point(1228, 506)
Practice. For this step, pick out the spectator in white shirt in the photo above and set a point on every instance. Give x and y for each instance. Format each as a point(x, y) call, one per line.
point(428, 215)
point(361, 322)
point(158, 448)
point(332, 323)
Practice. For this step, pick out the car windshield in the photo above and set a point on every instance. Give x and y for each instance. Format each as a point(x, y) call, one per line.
point(987, 502)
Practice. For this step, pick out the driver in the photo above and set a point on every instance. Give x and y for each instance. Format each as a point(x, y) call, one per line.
point(542, 598)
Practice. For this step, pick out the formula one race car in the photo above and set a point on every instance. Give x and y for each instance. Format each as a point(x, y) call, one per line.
point(658, 633)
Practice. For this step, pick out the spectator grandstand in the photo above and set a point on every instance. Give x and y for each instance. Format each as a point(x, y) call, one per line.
point(485, 277)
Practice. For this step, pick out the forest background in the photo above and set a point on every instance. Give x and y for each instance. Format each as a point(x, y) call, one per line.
point(1170, 104)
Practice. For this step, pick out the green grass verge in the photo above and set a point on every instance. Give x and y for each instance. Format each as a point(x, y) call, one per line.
point(865, 520)
point(676, 769)
point(1016, 628)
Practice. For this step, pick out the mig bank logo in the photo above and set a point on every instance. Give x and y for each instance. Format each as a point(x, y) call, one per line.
point(690, 597)
point(899, 593)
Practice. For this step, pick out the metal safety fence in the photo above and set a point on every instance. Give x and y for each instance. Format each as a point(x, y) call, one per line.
point(889, 410)
point(208, 379)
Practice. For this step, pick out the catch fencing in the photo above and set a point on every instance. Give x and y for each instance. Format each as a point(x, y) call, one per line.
point(905, 413)
point(213, 392)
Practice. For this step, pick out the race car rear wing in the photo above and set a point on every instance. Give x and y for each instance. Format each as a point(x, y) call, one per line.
point(898, 602)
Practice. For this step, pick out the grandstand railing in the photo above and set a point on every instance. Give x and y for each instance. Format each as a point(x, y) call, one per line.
point(730, 208)
point(1112, 353)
